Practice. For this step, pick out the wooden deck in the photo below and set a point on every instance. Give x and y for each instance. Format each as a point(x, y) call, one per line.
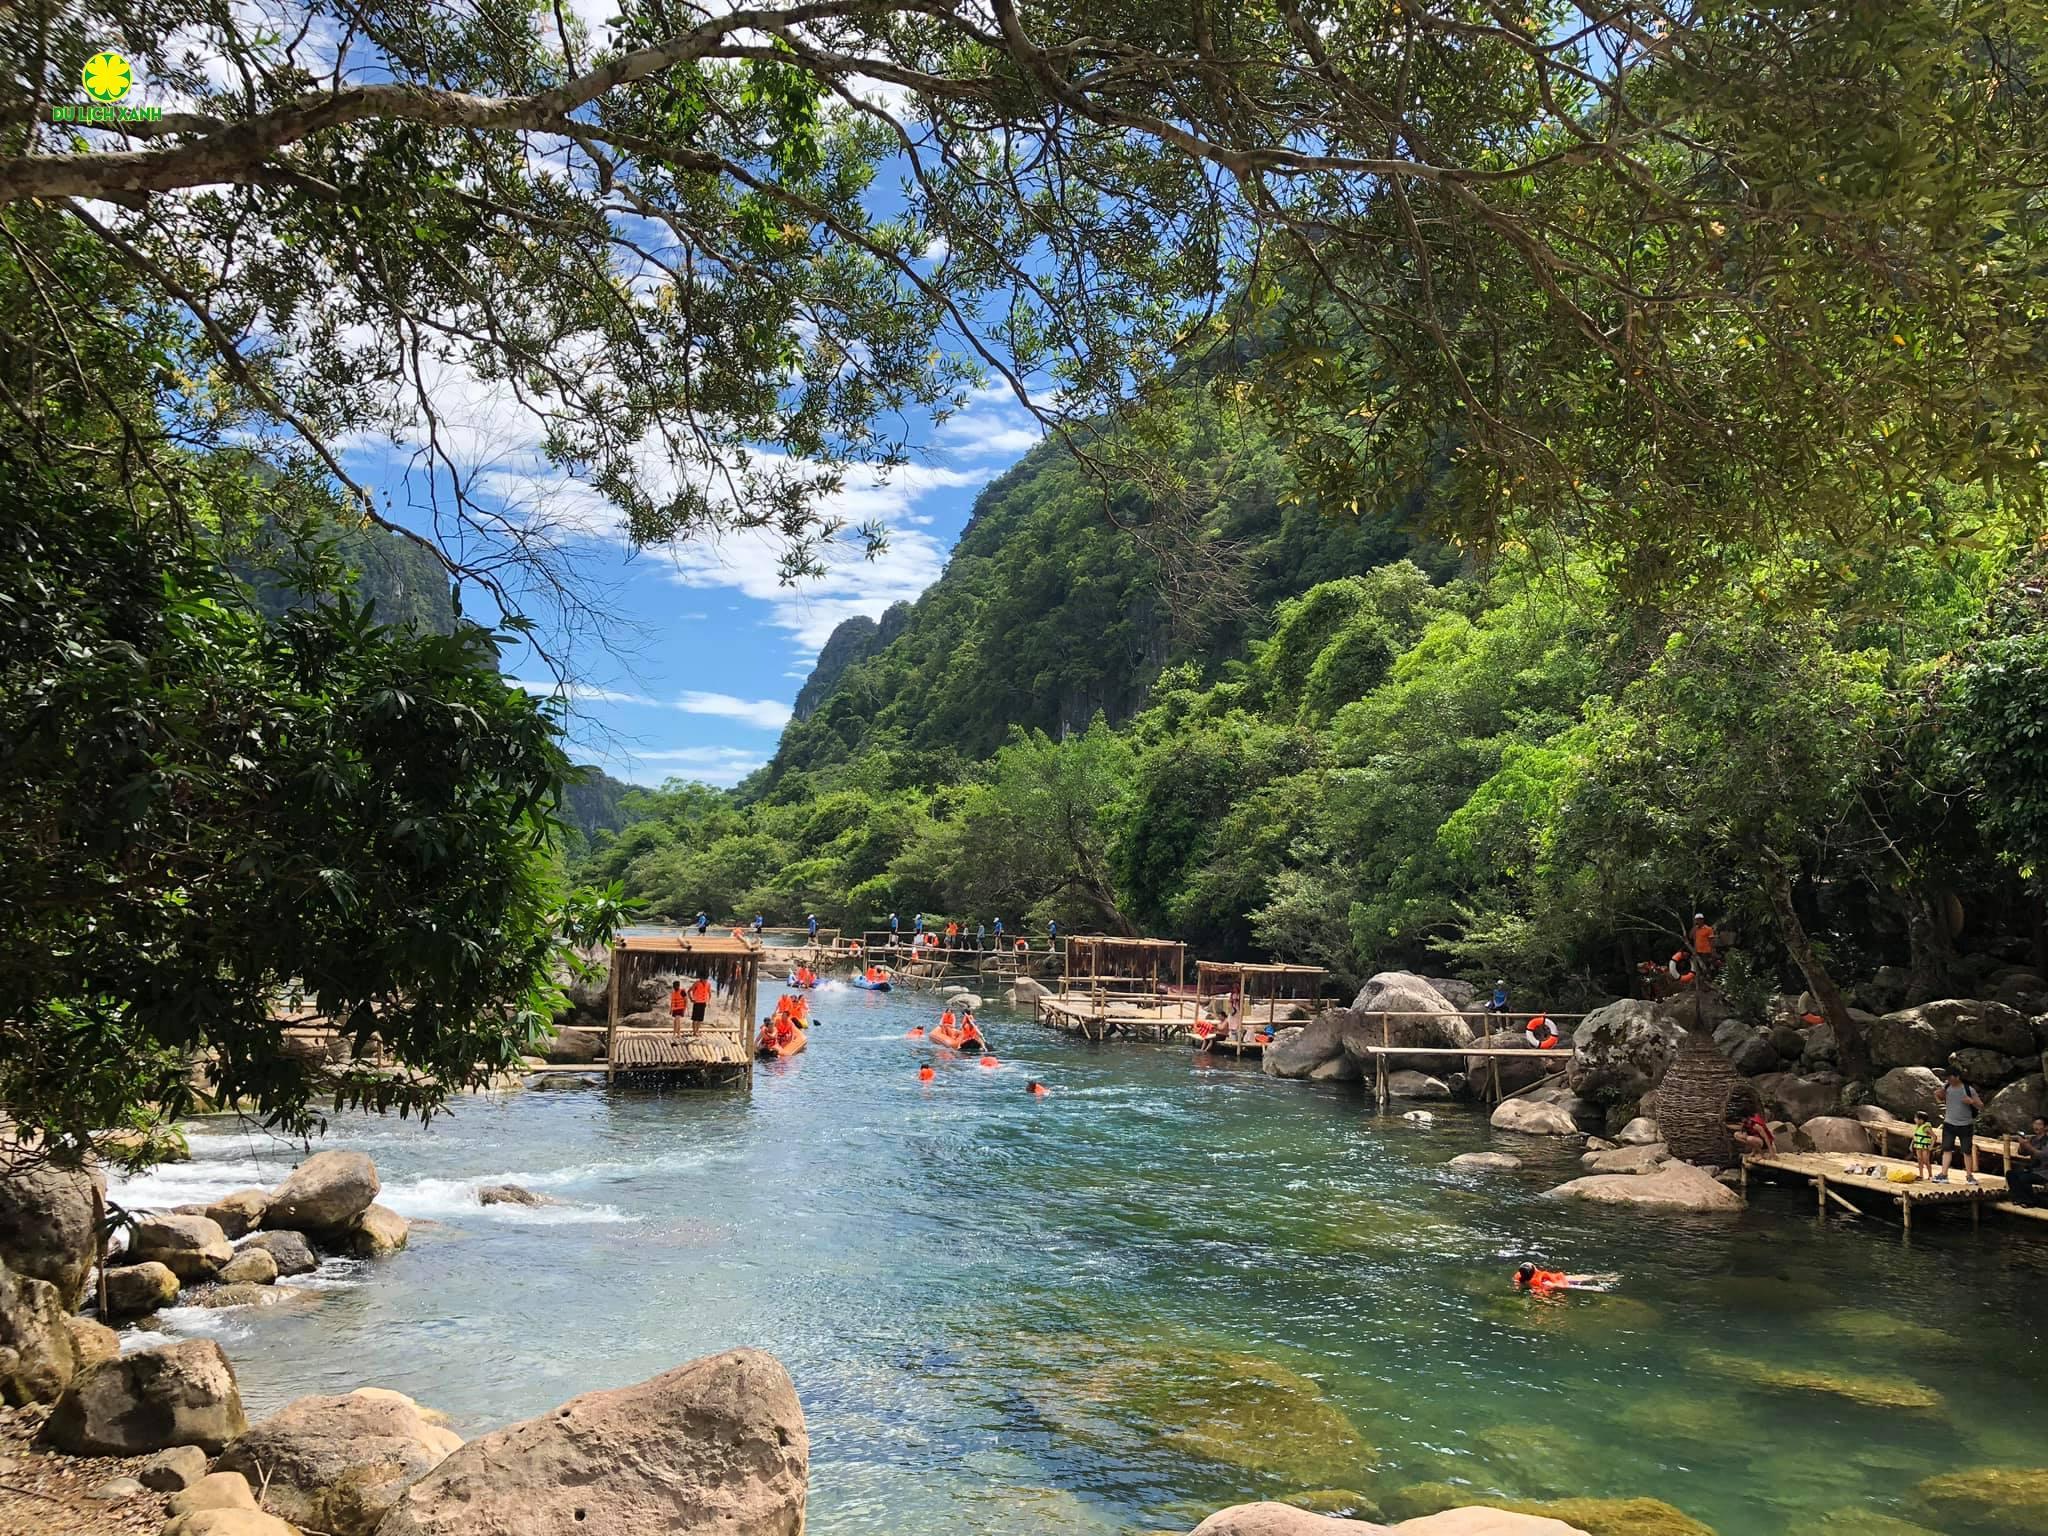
point(1113, 1018)
point(1827, 1172)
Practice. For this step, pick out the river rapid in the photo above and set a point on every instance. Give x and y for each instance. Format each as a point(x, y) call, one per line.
point(1166, 1287)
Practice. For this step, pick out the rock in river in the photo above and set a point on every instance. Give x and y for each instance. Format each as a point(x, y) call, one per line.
point(1626, 1159)
point(325, 1193)
point(1534, 1119)
point(715, 1446)
point(1491, 1160)
point(378, 1233)
point(338, 1464)
point(293, 1253)
point(250, 1266)
point(240, 1213)
point(1675, 1186)
point(1620, 1052)
point(1286, 1520)
point(135, 1290)
point(175, 1394)
point(190, 1247)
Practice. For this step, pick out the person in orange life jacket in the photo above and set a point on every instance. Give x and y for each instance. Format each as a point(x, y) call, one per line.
point(1541, 1033)
point(785, 1030)
point(967, 1025)
point(700, 998)
point(946, 1019)
point(1542, 1282)
point(676, 1003)
point(1702, 939)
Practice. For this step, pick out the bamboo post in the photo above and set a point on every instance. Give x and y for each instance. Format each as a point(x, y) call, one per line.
point(611, 1028)
point(1820, 1198)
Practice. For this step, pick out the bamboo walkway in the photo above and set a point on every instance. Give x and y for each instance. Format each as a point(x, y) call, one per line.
point(1829, 1174)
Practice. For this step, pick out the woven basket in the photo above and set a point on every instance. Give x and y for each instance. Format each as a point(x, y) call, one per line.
point(1695, 1102)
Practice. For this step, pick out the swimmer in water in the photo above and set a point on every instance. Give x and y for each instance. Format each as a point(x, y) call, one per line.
point(1544, 1282)
point(1036, 1089)
point(925, 1074)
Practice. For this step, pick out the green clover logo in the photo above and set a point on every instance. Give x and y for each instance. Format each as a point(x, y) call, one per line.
point(107, 77)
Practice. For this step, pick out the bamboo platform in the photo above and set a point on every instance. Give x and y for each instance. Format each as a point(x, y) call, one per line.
point(1117, 1018)
point(1825, 1170)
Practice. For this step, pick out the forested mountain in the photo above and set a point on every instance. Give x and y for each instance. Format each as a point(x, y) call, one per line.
point(407, 584)
point(1051, 611)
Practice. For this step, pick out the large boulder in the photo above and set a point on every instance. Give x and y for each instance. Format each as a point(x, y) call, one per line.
point(1298, 1053)
point(190, 1247)
point(135, 1290)
point(338, 1464)
point(37, 1357)
point(1990, 1069)
point(1675, 1186)
point(240, 1213)
point(325, 1193)
point(717, 1445)
point(294, 1255)
point(1696, 1008)
point(216, 1490)
point(1461, 995)
point(1925, 1036)
point(1528, 1065)
point(1788, 1096)
point(1837, 1133)
point(174, 1394)
point(1620, 1052)
point(1501, 1161)
point(1400, 1008)
point(1636, 1159)
point(1534, 1118)
point(228, 1522)
point(576, 1045)
point(1909, 1091)
point(46, 1225)
point(91, 1342)
point(2014, 1106)
point(1750, 1050)
point(249, 1266)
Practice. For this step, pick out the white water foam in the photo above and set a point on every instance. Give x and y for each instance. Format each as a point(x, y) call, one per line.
point(440, 1199)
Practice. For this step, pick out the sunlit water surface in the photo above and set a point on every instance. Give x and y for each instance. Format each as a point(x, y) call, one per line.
point(1164, 1288)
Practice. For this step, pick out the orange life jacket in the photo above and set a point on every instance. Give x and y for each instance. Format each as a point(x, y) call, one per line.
point(675, 999)
point(701, 992)
point(1703, 939)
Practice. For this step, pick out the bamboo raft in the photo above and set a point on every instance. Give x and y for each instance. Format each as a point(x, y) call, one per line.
point(1827, 1172)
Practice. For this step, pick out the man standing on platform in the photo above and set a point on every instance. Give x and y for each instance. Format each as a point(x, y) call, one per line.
point(1959, 1106)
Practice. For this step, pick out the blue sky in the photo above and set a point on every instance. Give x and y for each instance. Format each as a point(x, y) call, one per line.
point(706, 651)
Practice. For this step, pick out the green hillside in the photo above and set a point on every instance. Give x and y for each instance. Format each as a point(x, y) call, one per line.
point(1049, 612)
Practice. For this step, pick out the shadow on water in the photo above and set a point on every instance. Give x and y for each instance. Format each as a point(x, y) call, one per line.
point(1166, 1287)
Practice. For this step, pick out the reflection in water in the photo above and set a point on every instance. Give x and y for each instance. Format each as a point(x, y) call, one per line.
point(1164, 1288)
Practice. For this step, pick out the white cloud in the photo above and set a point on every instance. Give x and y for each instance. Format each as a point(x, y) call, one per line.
point(577, 693)
point(722, 766)
point(989, 434)
point(750, 561)
point(765, 714)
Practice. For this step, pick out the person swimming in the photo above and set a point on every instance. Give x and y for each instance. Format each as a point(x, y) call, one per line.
point(1544, 1282)
point(925, 1074)
point(1036, 1089)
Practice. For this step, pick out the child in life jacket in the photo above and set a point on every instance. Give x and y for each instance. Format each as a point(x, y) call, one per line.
point(1547, 1282)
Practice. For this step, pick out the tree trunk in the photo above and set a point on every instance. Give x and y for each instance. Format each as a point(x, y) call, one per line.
point(1931, 969)
point(1851, 1048)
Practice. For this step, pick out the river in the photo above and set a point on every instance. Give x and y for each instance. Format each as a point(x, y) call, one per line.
point(1163, 1288)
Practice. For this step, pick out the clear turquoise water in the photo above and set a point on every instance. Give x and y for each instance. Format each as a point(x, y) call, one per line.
point(1165, 1288)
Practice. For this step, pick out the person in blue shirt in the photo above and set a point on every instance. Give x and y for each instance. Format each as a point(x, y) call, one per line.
point(999, 933)
point(814, 927)
point(980, 935)
point(757, 922)
point(1498, 1003)
point(703, 921)
point(919, 923)
point(892, 925)
point(1052, 931)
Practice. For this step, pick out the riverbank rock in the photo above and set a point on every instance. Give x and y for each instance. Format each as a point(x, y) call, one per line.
point(228, 1522)
point(240, 1213)
point(1789, 1096)
point(377, 1234)
point(1533, 1118)
point(1837, 1133)
point(294, 1255)
point(1287, 1520)
point(190, 1247)
point(338, 1464)
point(1416, 1085)
point(1998, 1501)
point(1025, 992)
point(1415, 1013)
point(91, 1342)
point(216, 1490)
point(37, 1358)
point(1621, 1052)
point(1927, 1035)
point(250, 1266)
point(1674, 1186)
point(325, 1193)
point(1909, 1091)
point(46, 1225)
point(1640, 1132)
point(174, 1394)
point(1637, 1159)
point(1528, 1065)
point(576, 1045)
point(1305, 1052)
point(2014, 1106)
point(717, 1445)
point(1503, 1161)
point(135, 1290)
point(174, 1470)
